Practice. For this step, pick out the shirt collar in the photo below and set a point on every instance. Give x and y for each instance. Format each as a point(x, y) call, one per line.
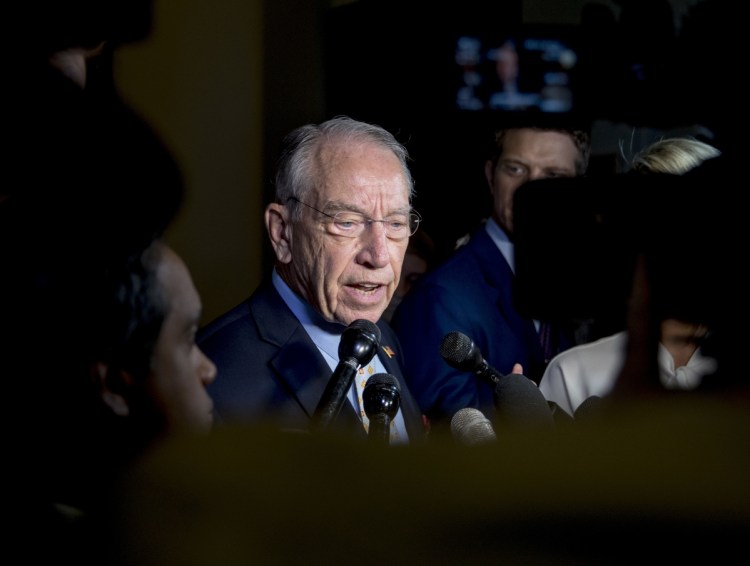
point(502, 241)
point(326, 335)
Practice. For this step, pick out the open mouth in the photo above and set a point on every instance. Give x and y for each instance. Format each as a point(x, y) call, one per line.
point(366, 287)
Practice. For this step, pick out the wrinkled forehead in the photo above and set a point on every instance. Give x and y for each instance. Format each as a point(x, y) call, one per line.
point(361, 170)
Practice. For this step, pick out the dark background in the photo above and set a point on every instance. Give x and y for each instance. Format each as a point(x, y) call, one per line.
point(636, 68)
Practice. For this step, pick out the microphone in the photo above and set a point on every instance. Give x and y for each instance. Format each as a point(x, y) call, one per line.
point(591, 408)
point(381, 398)
point(460, 352)
point(518, 401)
point(521, 405)
point(357, 346)
point(469, 426)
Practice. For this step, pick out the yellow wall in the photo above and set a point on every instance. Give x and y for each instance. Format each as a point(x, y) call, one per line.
point(198, 81)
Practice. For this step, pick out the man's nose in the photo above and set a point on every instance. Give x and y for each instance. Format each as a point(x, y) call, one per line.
point(374, 245)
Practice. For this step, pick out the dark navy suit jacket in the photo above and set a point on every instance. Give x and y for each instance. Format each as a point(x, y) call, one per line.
point(472, 293)
point(270, 372)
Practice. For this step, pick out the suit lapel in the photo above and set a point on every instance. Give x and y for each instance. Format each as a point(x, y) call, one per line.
point(500, 276)
point(298, 364)
point(302, 370)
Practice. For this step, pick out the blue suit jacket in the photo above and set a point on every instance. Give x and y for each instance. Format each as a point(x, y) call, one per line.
point(271, 372)
point(472, 293)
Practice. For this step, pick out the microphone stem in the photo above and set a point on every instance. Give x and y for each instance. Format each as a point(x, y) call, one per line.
point(335, 393)
point(379, 431)
point(486, 372)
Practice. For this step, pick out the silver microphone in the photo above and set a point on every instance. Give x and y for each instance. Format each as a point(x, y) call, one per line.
point(469, 426)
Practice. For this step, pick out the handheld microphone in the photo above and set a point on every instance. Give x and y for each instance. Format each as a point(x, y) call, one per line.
point(460, 352)
point(381, 398)
point(521, 405)
point(469, 426)
point(518, 401)
point(358, 345)
point(591, 408)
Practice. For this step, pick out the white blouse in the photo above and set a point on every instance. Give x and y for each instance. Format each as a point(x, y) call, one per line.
point(592, 369)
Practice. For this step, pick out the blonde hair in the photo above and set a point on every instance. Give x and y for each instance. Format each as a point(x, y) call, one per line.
point(673, 156)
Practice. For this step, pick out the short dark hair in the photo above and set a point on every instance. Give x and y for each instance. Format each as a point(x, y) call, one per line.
point(581, 138)
point(131, 313)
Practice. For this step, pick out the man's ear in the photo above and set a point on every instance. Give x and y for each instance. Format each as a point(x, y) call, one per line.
point(279, 231)
point(113, 386)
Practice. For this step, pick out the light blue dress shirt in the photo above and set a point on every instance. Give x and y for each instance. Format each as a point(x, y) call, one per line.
point(326, 336)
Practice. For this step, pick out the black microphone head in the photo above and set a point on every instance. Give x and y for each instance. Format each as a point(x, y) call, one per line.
point(359, 341)
point(591, 408)
point(460, 352)
point(381, 395)
point(470, 426)
point(519, 404)
point(383, 379)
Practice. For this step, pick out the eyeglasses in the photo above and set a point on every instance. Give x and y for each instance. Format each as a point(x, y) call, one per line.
point(352, 224)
